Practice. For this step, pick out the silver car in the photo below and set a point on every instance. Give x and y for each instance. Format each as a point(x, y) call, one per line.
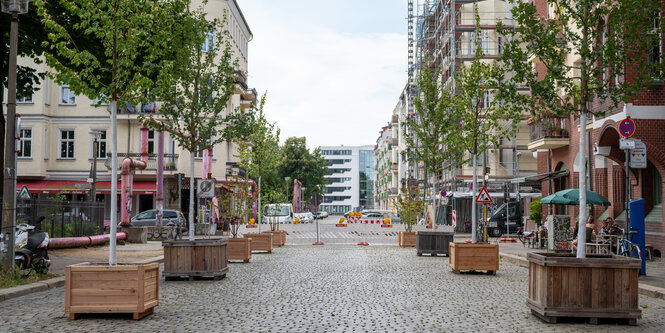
point(149, 218)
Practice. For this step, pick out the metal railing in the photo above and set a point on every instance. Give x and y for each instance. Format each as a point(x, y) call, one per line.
point(549, 128)
point(63, 218)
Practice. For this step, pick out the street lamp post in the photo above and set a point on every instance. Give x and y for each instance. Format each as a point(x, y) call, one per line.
point(13, 7)
point(93, 169)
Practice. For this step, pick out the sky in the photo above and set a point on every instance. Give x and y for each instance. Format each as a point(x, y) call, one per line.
point(333, 70)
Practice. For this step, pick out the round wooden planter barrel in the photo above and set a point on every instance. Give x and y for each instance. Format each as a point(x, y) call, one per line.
point(199, 258)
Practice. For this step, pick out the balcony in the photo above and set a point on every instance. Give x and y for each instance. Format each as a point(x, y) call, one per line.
point(550, 133)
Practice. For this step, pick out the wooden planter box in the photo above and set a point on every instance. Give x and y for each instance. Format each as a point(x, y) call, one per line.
point(561, 285)
point(240, 249)
point(474, 257)
point(406, 238)
point(199, 258)
point(100, 288)
point(278, 237)
point(433, 242)
point(260, 242)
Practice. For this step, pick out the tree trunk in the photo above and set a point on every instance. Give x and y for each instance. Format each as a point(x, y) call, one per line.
point(191, 195)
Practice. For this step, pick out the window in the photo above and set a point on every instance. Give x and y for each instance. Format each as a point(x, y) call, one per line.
point(655, 44)
point(101, 144)
point(24, 99)
point(209, 42)
point(151, 141)
point(67, 144)
point(67, 96)
point(25, 144)
point(199, 154)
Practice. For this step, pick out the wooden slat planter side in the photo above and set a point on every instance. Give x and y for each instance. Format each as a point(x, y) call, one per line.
point(100, 288)
point(433, 242)
point(474, 257)
point(406, 238)
point(278, 237)
point(240, 249)
point(260, 242)
point(561, 285)
point(198, 258)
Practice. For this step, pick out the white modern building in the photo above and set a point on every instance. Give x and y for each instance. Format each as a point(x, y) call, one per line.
point(350, 178)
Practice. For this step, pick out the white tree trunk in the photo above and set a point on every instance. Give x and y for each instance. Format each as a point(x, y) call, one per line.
point(581, 230)
point(474, 217)
point(192, 188)
point(114, 182)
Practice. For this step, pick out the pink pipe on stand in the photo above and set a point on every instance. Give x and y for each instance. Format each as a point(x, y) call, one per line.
point(125, 182)
point(160, 177)
point(68, 242)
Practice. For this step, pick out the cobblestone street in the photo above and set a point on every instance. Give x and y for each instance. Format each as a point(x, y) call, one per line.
point(338, 288)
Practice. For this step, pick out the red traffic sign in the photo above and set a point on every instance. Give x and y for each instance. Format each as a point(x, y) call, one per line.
point(484, 196)
point(443, 193)
point(627, 127)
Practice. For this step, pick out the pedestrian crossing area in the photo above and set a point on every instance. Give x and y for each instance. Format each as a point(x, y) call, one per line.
point(341, 235)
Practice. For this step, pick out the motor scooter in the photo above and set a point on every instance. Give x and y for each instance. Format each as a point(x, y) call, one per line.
point(31, 248)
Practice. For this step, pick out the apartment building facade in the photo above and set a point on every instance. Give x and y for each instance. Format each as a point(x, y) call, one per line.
point(559, 154)
point(350, 178)
point(386, 156)
point(60, 128)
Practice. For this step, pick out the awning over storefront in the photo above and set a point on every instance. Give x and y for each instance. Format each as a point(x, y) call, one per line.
point(540, 177)
point(80, 187)
point(496, 195)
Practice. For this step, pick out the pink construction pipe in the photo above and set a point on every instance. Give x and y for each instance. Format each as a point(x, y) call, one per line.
point(127, 165)
point(67, 242)
point(207, 163)
point(160, 177)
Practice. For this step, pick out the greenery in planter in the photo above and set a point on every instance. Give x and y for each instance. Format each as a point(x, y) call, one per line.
point(408, 205)
point(236, 205)
point(274, 197)
point(536, 212)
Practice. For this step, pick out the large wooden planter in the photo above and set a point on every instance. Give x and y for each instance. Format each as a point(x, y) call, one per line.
point(406, 238)
point(433, 242)
point(474, 257)
point(278, 237)
point(199, 258)
point(260, 242)
point(100, 288)
point(240, 249)
point(561, 285)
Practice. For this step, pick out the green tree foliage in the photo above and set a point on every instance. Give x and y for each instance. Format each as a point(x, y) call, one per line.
point(611, 38)
point(483, 118)
point(536, 212)
point(236, 204)
point(195, 85)
point(430, 123)
point(409, 205)
point(298, 163)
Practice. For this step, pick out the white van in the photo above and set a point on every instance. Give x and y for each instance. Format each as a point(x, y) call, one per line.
point(277, 213)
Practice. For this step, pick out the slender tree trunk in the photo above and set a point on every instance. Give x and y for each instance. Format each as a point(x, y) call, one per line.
point(191, 196)
point(474, 218)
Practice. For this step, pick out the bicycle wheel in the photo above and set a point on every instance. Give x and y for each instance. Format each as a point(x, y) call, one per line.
point(635, 252)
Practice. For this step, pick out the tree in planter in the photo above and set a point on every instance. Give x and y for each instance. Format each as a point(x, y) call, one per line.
point(236, 205)
point(130, 40)
point(480, 112)
point(258, 142)
point(428, 126)
point(618, 46)
point(408, 205)
point(274, 197)
point(536, 212)
point(195, 88)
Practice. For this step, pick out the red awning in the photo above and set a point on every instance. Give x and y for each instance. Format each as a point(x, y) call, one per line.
point(80, 187)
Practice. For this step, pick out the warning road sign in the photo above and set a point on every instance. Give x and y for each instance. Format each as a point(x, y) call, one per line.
point(24, 193)
point(483, 196)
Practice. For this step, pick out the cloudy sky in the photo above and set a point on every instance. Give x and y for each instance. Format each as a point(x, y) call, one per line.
point(333, 70)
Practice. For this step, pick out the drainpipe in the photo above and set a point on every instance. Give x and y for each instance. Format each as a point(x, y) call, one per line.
point(127, 165)
point(159, 200)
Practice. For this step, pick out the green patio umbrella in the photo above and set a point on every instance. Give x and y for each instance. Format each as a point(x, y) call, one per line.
point(572, 197)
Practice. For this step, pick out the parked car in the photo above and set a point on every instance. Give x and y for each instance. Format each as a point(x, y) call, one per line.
point(306, 217)
point(320, 215)
point(278, 213)
point(149, 218)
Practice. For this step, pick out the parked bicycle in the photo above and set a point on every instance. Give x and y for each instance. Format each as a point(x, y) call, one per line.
point(626, 246)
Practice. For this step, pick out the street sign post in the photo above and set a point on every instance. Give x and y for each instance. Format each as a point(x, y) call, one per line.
point(627, 127)
point(443, 193)
point(638, 155)
point(626, 144)
point(24, 193)
point(483, 196)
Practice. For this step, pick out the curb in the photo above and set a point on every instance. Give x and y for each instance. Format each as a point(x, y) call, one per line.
point(643, 289)
point(18, 291)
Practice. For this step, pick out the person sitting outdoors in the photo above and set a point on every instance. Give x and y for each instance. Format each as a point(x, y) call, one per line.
point(609, 228)
point(589, 231)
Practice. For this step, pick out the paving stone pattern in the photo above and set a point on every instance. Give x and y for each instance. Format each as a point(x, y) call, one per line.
point(304, 288)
